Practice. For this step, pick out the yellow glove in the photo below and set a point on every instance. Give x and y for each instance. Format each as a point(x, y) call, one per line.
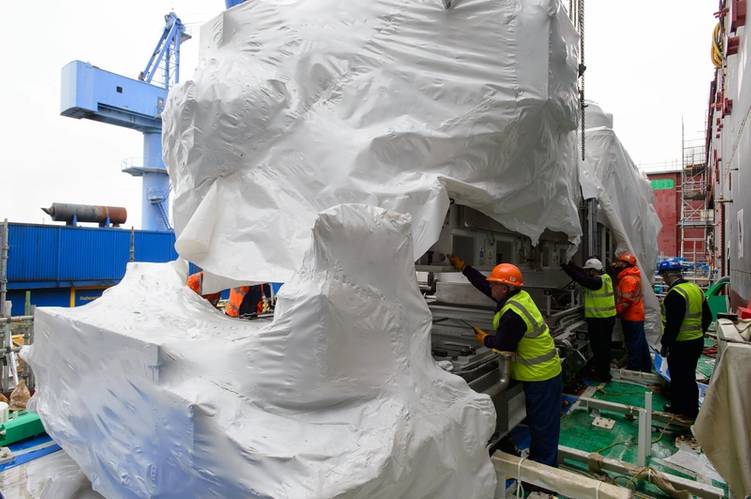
point(480, 335)
point(457, 262)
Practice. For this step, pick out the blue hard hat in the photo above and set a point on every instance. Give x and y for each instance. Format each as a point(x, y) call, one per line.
point(670, 265)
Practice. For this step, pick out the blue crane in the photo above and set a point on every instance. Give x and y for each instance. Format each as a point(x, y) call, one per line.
point(93, 93)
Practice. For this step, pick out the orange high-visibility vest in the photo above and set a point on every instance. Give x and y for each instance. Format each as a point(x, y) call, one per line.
point(629, 299)
point(236, 297)
point(195, 282)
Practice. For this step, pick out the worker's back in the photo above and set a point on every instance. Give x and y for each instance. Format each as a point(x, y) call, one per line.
point(247, 300)
point(629, 293)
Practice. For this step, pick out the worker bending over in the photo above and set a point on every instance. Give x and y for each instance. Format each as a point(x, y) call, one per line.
point(686, 316)
point(629, 304)
point(249, 301)
point(599, 311)
point(519, 327)
point(195, 282)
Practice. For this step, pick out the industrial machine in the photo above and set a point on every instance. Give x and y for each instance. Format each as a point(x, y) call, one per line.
point(482, 242)
point(93, 93)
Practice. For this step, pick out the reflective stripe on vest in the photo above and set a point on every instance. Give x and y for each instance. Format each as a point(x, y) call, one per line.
point(632, 296)
point(694, 298)
point(600, 303)
point(537, 328)
point(536, 358)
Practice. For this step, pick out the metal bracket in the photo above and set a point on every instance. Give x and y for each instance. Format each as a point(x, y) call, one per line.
point(605, 423)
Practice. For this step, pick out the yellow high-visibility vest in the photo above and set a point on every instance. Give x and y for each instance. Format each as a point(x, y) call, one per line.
point(600, 303)
point(536, 358)
point(691, 324)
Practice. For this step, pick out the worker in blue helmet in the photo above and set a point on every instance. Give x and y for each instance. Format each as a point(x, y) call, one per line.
point(685, 317)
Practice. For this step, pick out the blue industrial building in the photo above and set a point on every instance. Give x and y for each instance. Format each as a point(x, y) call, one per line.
point(70, 266)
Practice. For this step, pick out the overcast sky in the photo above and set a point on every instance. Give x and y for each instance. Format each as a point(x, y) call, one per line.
point(648, 63)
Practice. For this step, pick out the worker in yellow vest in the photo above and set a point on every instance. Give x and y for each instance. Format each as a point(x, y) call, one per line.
point(520, 328)
point(686, 316)
point(599, 311)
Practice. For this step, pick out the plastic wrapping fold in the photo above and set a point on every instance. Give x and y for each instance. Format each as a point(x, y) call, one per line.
point(154, 393)
point(727, 406)
point(626, 199)
point(298, 108)
point(54, 476)
point(301, 105)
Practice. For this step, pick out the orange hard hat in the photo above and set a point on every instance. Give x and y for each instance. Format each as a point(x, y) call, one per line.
point(628, 258)
point(506, 273)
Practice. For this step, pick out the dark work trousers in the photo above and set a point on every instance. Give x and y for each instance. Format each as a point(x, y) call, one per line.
point(543, 404)
point(682, 359)
point(600, 336)
point(636, 345)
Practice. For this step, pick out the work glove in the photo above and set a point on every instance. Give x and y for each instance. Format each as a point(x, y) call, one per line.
point(479, 335)
point(457, 262)
point(664, 350)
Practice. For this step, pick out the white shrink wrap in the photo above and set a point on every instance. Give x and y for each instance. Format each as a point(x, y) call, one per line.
point(297, 106)
point(626, 199)
point(155, 394)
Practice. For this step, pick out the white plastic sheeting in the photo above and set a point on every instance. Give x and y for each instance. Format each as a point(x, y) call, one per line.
point(301, 105)
point(154, 393)
point(723, 427)
point(54, 476)
point(297, 108)
point(626, 199)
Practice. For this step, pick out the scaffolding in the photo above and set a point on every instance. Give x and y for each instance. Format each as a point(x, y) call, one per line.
point(696, 220)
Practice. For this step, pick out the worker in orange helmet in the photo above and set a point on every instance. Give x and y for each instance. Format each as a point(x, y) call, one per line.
point(520, 328)
point(195, 282)
point(629, 304)
point(248, 301)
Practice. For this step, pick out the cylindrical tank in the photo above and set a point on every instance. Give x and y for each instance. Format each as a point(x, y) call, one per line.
point(70, 213)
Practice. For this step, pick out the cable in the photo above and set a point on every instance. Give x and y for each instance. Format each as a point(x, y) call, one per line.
point(717, 46)
point(620, 442)
point(520, 488)
point(664, 429)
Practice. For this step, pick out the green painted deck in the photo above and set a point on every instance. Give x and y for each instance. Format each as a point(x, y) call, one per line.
point(706, 364)
point(621, 441)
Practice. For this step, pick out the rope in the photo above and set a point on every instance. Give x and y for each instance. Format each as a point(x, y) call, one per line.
point(597, 490)
point(595, 461)
point(658, 479)
point(519, 488)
